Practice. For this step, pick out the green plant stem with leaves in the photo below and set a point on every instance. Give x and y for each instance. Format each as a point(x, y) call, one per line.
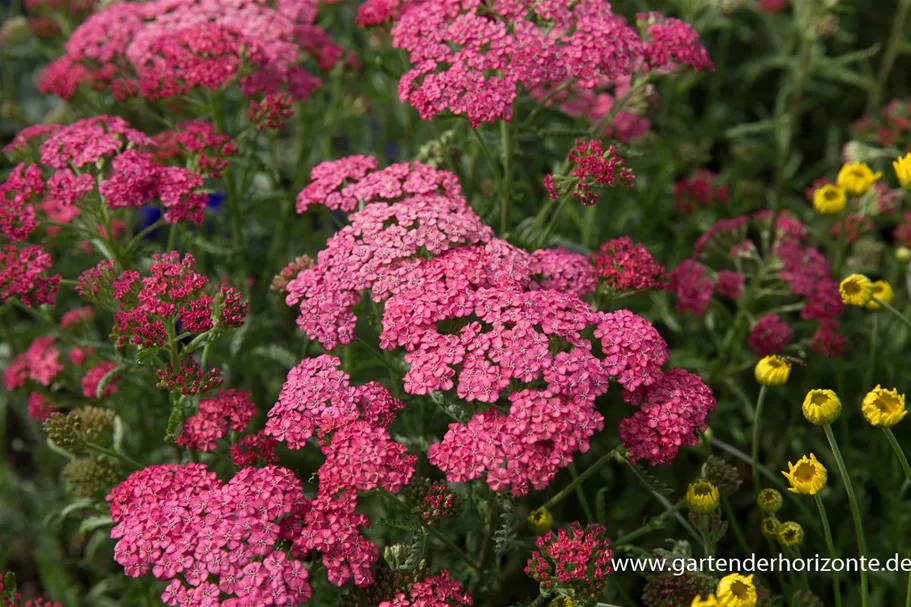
point(855, 512)
point(830, 544)
point(757, 419)
point(899, 452)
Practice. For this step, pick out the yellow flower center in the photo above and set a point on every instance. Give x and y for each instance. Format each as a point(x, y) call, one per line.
point(831, 195)
point(740, 590)
point(852, 288)
point(776, 363)
point(789, 536)
point(702, 490)
point(819, 400)
point(805, 472)
point(888, 403)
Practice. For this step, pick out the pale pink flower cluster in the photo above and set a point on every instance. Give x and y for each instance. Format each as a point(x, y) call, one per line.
point(439, 590)
point(39, 363)
point(165, 48)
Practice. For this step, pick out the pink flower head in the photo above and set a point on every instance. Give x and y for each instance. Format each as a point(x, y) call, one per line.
point(671, 43)
point(18, 195)
point(88, 141)
point(722, 237)
point(730, 284)
point(593, 168)
point(22, 274)
point(76, 317)
point(226, 411)
point(769, 335)
point(563, 270)
point(39, 408)
point(39, 363)
point(701, 189)
point(197, 144)
point(828, 340)
point(468, 64)
point(272, 111)
point(626, 266)
point(673, 408)
point(576, 560)
point(435, 591)
point(29, 138)
point(693, 287)
point(851, 227)
point(92, 380)
point(252, 448)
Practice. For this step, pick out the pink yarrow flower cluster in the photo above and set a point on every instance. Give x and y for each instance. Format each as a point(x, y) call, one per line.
point(623, 265)
point(226, 411)
point(435, 591)
point(40, 363)
point(574, 561)
point(593, 168)
point(701, 189)
point(167, 48)
point(563, 270)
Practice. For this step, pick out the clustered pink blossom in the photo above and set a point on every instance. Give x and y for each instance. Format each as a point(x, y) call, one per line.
point(40, 363)
point(593, 167)
point(272, 111)
point(225, 411)
point(252, 448)
point(437, 502)
point(671, 43)
point(563, 270)
point(74, 318)
point(623, 265)
point(92, 380)
point(435, 591)
point(213, 539)
point(39, 407)
point(167, 48)
point(198, 144)
point(506, 336)
point(576, 560)
point(693, 286)
point(891, 128)
point(701, 189)
point(730, 284)
point(10, 599)
point(23, 274)
point(769, 335)
point(851, 227)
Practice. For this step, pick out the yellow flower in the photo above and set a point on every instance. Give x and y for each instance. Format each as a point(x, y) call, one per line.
point(769, 527)
point(769, 501)
point(829, 199)
point(540, 520)
point(736, 590)
point(902, 168)
point(807, 476)
point(790, 534)
point(903, 254)
point(821, 407)
point(856, 178)
point(856, 290)
point(562, 601)
point(773, 371)
point(882, 290)
point(884, 408)
point(702, 497)
point(709, 601)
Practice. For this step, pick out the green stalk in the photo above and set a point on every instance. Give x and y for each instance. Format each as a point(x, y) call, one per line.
point(114, 454)
point(506, 183)
point(760, 402)
point(894, 311)
point(578, 480)
point(581, 495)
point(899, 453)
point(855, 512)
point(893, 46)
point(830, 544)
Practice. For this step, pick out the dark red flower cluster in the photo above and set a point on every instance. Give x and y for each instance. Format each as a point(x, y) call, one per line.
point(165, 48)
point(623, 265)
point(272, 111)
point(593, 168)
point(700, 189)
point(10, 598)
point(197, 145)
point(769, 335)
point(575, 561)
point(891, 128)
point(253, 448)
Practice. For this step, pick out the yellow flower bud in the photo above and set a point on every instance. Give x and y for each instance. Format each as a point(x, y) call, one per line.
point(821, 407)
point(790, 534)
point(769, 501)
point(769, 527)
point(856, 290)
point(772, 371)
point(902, 168)
point(540, 520)
point(829, 199)
point(702, 497)
point(807, 477)
point(736, 590)
point(903, 254)
point(884, 408)
point(709, 601)
point(856, 178)
point(882, 291)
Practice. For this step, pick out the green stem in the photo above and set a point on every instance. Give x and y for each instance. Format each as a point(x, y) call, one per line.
point(581, 495)
point(899, 453)
point(578, 480)
point(553, 220)
point(908, 594)
point(114, 454)
point(830, 544)
point(855, 512)
point(652, 525)
point(893, 46)
point(760, 403)
point(894, 311)
point(506, 184)
point(452, 546)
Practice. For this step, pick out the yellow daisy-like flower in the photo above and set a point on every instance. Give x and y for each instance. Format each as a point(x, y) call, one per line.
point(807, 476)
point(709, 601)
point(856, 290)
point(902, 168)
point(882, 291)
point(562, 601)
point(884, 408)
point(830, 199)
point(790, 534)
point(769, 527)
point(736, 590)
point(702, 497)
point(769, 501)
point(856, 178)
point(821, 407)
point(773, 371)
point(540, 520)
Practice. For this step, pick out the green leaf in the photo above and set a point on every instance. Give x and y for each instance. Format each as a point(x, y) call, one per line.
point(398, 523)
point(146, 353)
point(281, 355)
point(95, 522)
point(108, 378)
point(601, 505)
point(118, 433)
point(650, 480)
point(755, 128)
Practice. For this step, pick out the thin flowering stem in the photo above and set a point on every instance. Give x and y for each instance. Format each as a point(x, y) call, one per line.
point(830, 544)
point(899, 452)
point(855, 512)
point(653, 525)
point(506, 184)
point(760, 403)
point(581, 495)
point(894, 311)
point(494, 166)
point(893, 47)
point(668, 506)
point(114, 454)
point(579, 480)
